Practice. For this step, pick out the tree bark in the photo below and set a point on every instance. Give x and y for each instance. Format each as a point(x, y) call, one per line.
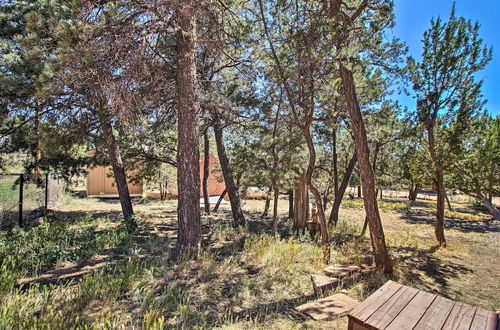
point(290, 204)
point(334, 215)
point(221, 197)
point(120, 176)
point(275, 212)
point(413, 191)
point(335, 163)
point(206, 168)
point(232, 189)
point(325, 239)
point(438, 185)
point(188, 155)
point(38, 153)
point(492, 208)
point(267, 204)
point(367, 178)
point(301, 205)
point(448, 202)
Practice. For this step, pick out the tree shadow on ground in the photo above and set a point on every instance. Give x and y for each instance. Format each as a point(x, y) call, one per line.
point(421, 268)
point(466, 226)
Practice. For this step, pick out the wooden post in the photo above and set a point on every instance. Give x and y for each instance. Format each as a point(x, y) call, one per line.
point(21, 184)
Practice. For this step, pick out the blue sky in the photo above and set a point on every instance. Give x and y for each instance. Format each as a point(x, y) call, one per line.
point(413, 18)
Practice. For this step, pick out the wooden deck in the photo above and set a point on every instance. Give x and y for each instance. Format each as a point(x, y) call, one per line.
point(395, 306)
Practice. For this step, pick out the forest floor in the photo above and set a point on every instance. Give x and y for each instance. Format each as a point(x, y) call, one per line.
point(80, 269)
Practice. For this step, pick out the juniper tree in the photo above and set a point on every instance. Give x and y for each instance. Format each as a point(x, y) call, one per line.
point(448, 95)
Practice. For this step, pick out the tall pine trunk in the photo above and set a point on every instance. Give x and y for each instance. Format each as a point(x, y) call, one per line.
point(206, 167)
point(188, 155)
point(334, 215)
point(367, 178)
point(120, 176)
point(438, 181)
point(231, 187)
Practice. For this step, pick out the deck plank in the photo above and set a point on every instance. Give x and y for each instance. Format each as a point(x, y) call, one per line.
point(392, 307)
point(364, 310)
point(412, 313)
point(436, 314)
point(460, 317)
point(481, 319)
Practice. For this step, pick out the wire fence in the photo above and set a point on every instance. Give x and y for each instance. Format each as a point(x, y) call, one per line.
point(24, 198)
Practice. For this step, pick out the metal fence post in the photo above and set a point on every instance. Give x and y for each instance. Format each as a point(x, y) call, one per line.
point(21, 184)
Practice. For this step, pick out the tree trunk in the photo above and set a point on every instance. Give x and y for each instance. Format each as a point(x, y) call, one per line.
point(188, 155)
point(275, 212)
point(438, 185)
point(206, 168)
point(325, 239)
point(290, 204)
point(38, 153)
point(221, 197)
point(232, 189)
point(335, 163)
point(365, 225)
point(120, 176)
point(413, 191)
point(300, 205)
point(359, 192)
point(265, 213)
point(334, 215)
point(492, 208)
point(448, 202)
point(367, 178)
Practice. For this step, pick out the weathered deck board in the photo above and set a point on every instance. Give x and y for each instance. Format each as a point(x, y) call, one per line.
point(412, 313)
point(483, 319)
point(460, 317)
point(395, 306)
point(373, 302)
point(436, 314)
point(329, 308)
point(392, 307)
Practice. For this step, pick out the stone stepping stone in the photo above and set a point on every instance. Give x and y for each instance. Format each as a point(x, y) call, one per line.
point(341, 270)
point(328, 308)
point(323, 283)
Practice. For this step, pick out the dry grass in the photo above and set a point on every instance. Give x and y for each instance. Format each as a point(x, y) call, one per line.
point(245, 279)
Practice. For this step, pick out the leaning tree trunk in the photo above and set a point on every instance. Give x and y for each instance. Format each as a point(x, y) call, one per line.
point(438, 185)
point(334, 215)
point(206, 168)
point(367, 178)
point(300, 205)
point(188, 155)
point(120, 177)
point(221, 197)
point(232, 189)
point(492, 208)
